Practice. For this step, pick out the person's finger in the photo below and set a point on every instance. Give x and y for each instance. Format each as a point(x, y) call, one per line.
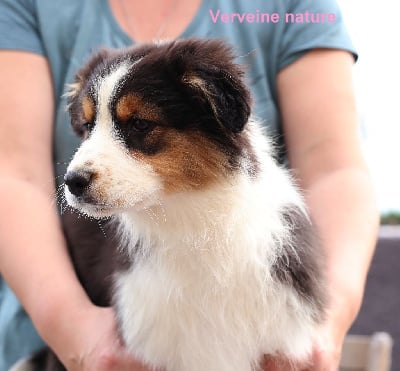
point(270, 363)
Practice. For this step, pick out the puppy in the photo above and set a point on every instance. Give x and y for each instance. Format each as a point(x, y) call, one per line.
point(213, 262)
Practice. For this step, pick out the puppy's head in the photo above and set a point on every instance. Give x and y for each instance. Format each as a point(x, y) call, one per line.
point(155, 119)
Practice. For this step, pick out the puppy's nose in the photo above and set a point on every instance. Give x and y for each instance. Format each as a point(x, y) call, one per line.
point(77, 181)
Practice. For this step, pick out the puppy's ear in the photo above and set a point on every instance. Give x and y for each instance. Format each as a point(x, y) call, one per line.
point(212, 73)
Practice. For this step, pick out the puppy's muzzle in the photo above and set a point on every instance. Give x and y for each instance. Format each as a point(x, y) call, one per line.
point(78, 182)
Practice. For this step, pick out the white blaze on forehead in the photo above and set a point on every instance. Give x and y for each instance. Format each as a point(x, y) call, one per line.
point(105, 90)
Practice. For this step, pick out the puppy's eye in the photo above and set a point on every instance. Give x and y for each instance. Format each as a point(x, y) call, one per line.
point(141, 125)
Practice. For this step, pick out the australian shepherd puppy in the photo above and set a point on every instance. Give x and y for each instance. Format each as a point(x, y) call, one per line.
point(213, 262)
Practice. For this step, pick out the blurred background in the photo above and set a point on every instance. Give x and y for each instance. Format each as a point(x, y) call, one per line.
point(374, 28)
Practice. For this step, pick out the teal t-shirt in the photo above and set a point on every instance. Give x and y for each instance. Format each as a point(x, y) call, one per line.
point(267, 35)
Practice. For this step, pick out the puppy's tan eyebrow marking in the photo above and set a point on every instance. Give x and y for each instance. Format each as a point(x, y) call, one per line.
point(88, 109)
point(133, 105)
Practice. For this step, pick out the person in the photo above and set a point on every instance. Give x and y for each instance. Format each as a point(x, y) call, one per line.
point(299, 71)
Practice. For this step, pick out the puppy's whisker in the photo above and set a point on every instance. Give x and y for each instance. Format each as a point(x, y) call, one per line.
point(162, 210)
point(101, 228)
point(55, 197)
point(152, 215)
point(62, 163)
point(63, 205)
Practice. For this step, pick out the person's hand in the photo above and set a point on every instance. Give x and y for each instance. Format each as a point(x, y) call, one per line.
point(97, 346)
point(325, 357)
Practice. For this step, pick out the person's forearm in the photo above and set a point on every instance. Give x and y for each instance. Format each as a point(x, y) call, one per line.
point(34, 260)
point(342, 204)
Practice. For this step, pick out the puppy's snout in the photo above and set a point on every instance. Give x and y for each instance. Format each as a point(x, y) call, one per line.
point(78, 181)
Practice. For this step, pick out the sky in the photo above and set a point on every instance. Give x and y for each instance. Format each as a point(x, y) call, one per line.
point(375, 31)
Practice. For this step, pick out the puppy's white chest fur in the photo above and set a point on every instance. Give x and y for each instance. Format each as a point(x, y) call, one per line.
point(206, 299)
point(169, 328)
point(180, 328)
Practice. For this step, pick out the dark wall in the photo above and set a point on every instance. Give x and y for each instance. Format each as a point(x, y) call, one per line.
point(381, 307)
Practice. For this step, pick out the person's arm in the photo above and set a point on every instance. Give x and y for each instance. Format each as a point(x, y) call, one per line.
point(322, 135)
point(33, 256)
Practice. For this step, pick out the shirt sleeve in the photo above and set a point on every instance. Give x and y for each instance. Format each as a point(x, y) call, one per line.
point(312, 24)
point(19, 27)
